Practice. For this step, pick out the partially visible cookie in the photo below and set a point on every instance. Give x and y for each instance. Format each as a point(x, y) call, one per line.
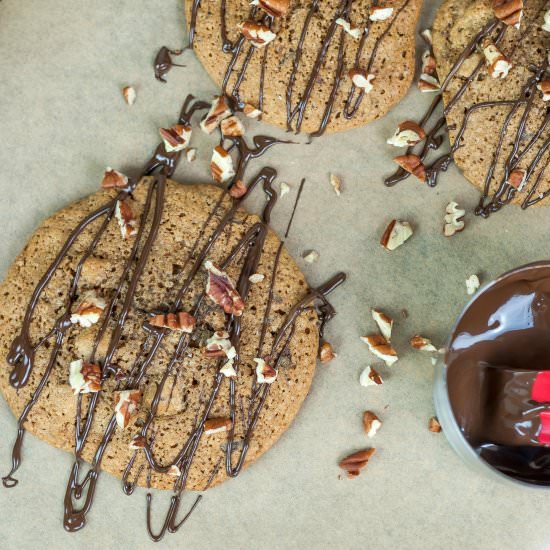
point(190, 216)
point(300, 57)
point(495, 103)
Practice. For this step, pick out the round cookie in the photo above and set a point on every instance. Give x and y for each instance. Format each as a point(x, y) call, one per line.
point(305, 70)
point(492, 129)
point(190, 215)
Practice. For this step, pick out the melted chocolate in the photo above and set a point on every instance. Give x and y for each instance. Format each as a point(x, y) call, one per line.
point(163, 62)
point(295, 112)
point(498, 350)
point(504, 192)
point(81, 486)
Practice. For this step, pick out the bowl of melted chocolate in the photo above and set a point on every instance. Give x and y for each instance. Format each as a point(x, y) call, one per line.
point(492, 392)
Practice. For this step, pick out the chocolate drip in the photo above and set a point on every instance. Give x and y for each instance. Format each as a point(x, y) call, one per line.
point(81, 485)
point(295, 113)
point(163, 62)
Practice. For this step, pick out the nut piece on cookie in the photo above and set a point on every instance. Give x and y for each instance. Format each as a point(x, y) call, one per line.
point(384, 323)
point(371, 423)
point(361, 79)
point(379, 13)
point(265, 373)
point(428, 81)
point(126, 406)
point(174, 471)
point(454, 222)
point(221, 165)
point(251, 112)
point(176, 138)
point(232, 127)
point(326, 353)
point(218, 112)
point(509, 11)
point(219, 345)
point(422, 344)
point(256, 278)
point(517, 179)
point(396, 234)
point(370, 377)
point(89, 310)
point(544, 87)
point(408, 133)
point(380, 347)
point(126, 219)
point(276, 8)
point(412, 164)
point(546, 26)
point(113, 179)
point(354, 463)
point(498, 65)
point(258, 34)
point(138, 442)
point(217, 425)
point(180, 321)
point(228, 370)
point(221, 290)
point(84, 377)
point(354, 32)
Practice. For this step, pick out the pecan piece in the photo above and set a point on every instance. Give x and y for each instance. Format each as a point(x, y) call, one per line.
point(354, 463)
point(180, 321)
point(126, 406)
point(84, 377)
point(221, 290)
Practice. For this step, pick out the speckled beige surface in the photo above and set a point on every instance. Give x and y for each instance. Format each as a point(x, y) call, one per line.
point(63, 121)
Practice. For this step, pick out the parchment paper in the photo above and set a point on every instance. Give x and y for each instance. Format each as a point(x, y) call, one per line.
point(62, 120)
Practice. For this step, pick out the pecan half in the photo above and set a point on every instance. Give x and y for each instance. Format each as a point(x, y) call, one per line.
point(180, 321)
point(354, 463)
point(221, 290)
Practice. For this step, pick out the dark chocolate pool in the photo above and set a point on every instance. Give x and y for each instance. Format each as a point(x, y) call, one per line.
point(498, 374)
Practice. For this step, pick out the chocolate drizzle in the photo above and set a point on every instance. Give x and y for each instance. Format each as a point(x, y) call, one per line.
point(163, 62)
point(296, 110)
point(83, 480)
point(504, 192)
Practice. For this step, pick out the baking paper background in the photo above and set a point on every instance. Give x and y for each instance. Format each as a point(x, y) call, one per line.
point(63, 120)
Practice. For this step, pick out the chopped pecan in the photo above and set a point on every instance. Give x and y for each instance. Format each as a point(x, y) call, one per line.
point(221, 290)
point(89, 310)
point(412, 164)
point(434, 425)
point(84, 377)
point(276, 8)
point(258, 34)
point(509, 11)
point(265, 373)
point(218, 112)
point(176, 138)
point(126, 219)
point(408, 133)
point(354, 463)
point(371, 423)
point(380, 347)
point(180, 321)
point(221, 165)
point(217, 425)
point(326, 353)
point(126, 406)
point(396, 233)
point(113, 179)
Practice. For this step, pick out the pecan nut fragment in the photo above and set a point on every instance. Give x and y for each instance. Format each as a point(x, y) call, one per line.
point(126, 406)
point(180, 321)
point(354, 463)
point(221, 290)
point(84, 377)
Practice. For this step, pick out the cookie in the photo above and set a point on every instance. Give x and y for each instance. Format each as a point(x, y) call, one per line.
point(309, 66)
point(190, 218)
point(492, 69)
